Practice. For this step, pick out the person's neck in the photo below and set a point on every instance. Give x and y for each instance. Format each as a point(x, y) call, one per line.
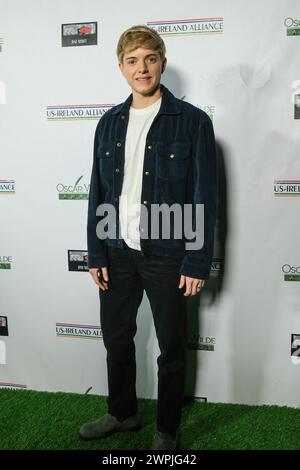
point(140, 101)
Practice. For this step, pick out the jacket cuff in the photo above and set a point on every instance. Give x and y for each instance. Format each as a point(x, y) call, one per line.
point(97, 261)
point(192, 270)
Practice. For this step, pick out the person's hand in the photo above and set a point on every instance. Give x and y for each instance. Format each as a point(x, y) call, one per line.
point(192, 285)
point(100, 277)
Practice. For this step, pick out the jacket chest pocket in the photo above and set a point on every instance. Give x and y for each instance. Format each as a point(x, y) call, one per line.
point(173, 161)
point(105, 155)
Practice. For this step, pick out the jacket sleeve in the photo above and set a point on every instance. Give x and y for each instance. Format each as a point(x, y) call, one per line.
point(204, 190)
point(96, 248)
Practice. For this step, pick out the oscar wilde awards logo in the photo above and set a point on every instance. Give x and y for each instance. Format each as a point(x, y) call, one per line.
point(5, 262)
point(292, 26)
point(77, 112)
point(287, 188)
point(208, 109)
point(79, 34)
point(291, 273)
point(201, 343)
point(198, 26)
point(73, 330)
point(73, 192)
point(77, 260)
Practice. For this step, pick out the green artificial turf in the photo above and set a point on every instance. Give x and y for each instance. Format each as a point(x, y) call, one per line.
point(43, 421)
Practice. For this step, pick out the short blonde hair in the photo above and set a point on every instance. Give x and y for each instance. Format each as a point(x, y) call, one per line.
point(140, 36)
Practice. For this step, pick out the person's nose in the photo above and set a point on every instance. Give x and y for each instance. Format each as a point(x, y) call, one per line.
point(143, 67)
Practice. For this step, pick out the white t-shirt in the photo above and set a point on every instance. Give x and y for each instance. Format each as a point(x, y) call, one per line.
point(139, 124)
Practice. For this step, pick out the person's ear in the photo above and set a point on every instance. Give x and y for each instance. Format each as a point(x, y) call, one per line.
point(164, 64)
point(121, 67)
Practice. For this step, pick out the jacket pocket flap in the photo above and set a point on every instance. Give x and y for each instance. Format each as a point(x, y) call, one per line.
point(174, 151)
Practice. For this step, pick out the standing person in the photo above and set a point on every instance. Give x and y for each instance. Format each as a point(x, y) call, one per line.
point(153, 149)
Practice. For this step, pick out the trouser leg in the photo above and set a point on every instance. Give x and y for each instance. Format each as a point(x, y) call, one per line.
point(160, 277)
point(118, 311)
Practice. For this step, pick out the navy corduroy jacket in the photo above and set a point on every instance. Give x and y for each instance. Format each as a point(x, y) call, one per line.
point(179, 167)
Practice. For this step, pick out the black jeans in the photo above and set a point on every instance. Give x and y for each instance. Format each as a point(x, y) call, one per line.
point(130, 273)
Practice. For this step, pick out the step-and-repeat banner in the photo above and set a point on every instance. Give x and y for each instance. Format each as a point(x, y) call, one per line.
point(238, 61)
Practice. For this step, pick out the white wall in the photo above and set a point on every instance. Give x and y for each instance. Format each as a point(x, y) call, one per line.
point(244, 77)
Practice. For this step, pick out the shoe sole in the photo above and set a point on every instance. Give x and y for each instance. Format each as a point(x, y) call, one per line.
point(113, 431)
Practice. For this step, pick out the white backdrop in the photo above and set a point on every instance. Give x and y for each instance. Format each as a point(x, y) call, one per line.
point(244, 74)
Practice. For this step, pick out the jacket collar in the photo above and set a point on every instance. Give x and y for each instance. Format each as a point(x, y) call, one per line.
point(169, 104)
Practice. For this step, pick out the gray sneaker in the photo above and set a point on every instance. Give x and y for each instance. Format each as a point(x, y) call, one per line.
point(164, 441)
point(108, 425)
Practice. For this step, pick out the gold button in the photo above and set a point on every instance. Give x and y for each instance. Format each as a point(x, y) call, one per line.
point(147, 173)
point(122, 117)
point(107, 153)
point(117, 170)
point(172, 155)
point(119, 144)
point(149, 147)
point(145, 202)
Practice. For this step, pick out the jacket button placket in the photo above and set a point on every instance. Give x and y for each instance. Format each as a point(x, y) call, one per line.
point(146, 186)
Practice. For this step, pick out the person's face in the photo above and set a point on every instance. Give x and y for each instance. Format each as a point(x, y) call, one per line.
point(142, 69)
